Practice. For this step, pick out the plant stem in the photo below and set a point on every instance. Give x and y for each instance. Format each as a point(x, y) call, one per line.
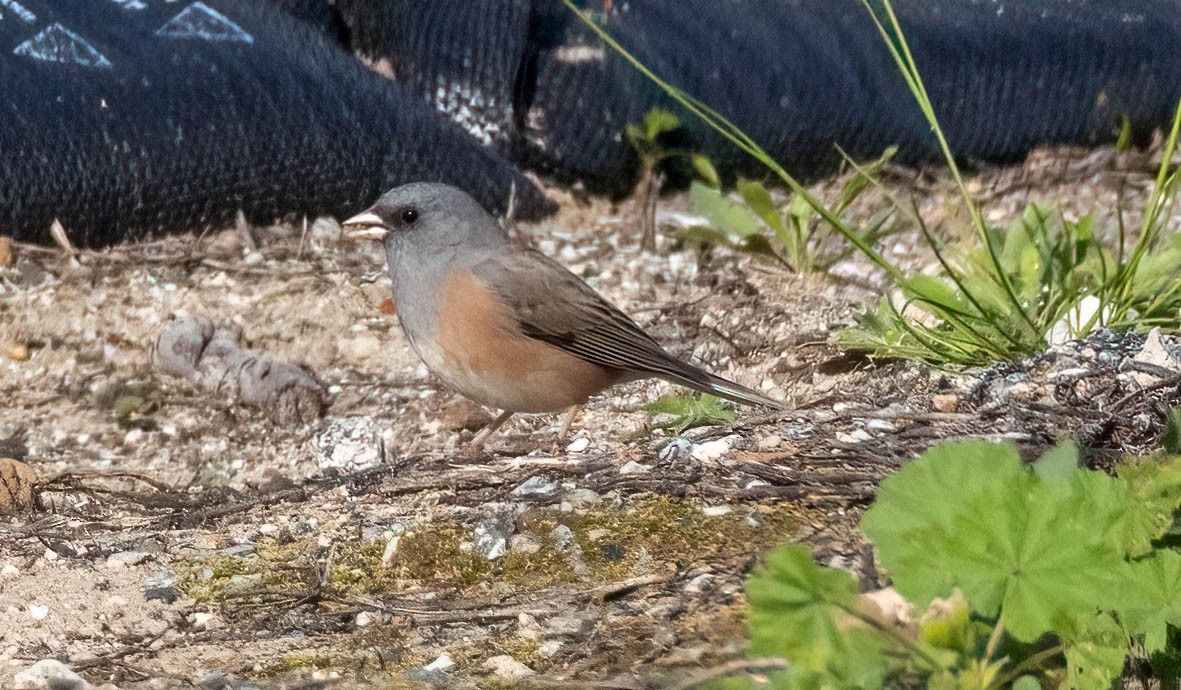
point(994, 639)
point(1031, 662)
point(893, 634)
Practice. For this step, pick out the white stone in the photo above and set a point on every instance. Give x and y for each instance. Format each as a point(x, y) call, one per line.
point(442, 663)
point(49, 674)
point(37, 612)
point(504, 666)
point(578, 445)
point(710, 451)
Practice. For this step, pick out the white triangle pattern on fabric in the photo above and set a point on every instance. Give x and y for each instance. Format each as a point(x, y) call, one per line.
point(19, 10)
point(56, 43)
point(199, 20)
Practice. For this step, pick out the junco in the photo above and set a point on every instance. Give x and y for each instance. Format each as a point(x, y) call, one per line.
point(507, 326)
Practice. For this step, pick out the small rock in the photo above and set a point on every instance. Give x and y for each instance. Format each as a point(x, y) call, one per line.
point(9, 570)
point(882, 425)
point(570, 625)
point(633, 467)
point(524, 543)
point(367, 618)
point(49, 674)
point(716, 511)
point(161, 586)
point(537, 487)
point(699, 584)
point(769, 442)
point(349, 443)
point(676, 449)
point(945, 402)
point(843, 407)
point(17, 480)
point(550, 648)
point(442, 663)
point(18, 352)
point(712, 450)
point(562, 537)
point(37, 612)
point(123, 559)
point(528, 628)
point(243, 583)
point(203, 620)
point(579, 498)
point(578, 445)
point(391, 550)
point(491, 537)
point(504, 666)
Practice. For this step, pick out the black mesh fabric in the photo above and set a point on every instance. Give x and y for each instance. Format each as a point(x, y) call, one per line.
point(797, 75)
point(130, 118)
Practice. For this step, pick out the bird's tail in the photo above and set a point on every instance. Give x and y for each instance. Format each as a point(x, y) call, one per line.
point(705, 382)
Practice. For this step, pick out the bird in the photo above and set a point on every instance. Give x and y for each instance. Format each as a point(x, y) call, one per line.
point(504, 325)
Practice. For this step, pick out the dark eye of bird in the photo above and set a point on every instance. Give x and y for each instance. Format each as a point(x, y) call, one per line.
point(409, 215)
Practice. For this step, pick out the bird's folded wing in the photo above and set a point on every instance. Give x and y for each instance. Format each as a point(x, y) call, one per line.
point(555, 306)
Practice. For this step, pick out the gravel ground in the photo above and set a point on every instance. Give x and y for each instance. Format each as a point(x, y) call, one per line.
point(183, 539)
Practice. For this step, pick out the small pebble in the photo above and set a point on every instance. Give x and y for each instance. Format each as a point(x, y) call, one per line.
point(676, 449)
point(578, 445)
point(123, 559)
point(367, 618)
point(491, 537)
point(37, 612)
point(945, 403)
point(442, 663)
point(203, 620)
point(883, 425)
point(524, 543)
point(49, 674)
point(716, 511)
point(391, 550)
point(161, 586)
point(10, 570)
point(633, 467)
point(504, 666)
point(712, 450)
point(537, 487)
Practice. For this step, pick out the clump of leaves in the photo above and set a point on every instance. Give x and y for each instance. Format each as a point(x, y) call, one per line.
point(1057, 272)
point(1055, 575)
point(690, 411)
point(795, 235)
point(1052, 282)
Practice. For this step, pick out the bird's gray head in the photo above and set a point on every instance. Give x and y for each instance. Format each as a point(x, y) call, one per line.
point(426, 224)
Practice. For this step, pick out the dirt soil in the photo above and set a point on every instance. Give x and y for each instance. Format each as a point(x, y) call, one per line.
point(183, 540)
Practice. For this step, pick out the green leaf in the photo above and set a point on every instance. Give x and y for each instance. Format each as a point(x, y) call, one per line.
point(760, 201)
point(1027, 683)
point(969, 514)
point(724, 213)
point(1171, 440)
point(691, 411)
point(1059, 463)
point(705, 170)
point(796, 609)
point(658, 121)
point(1156, 583)
point(1097, 660)
point(1155, 491)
